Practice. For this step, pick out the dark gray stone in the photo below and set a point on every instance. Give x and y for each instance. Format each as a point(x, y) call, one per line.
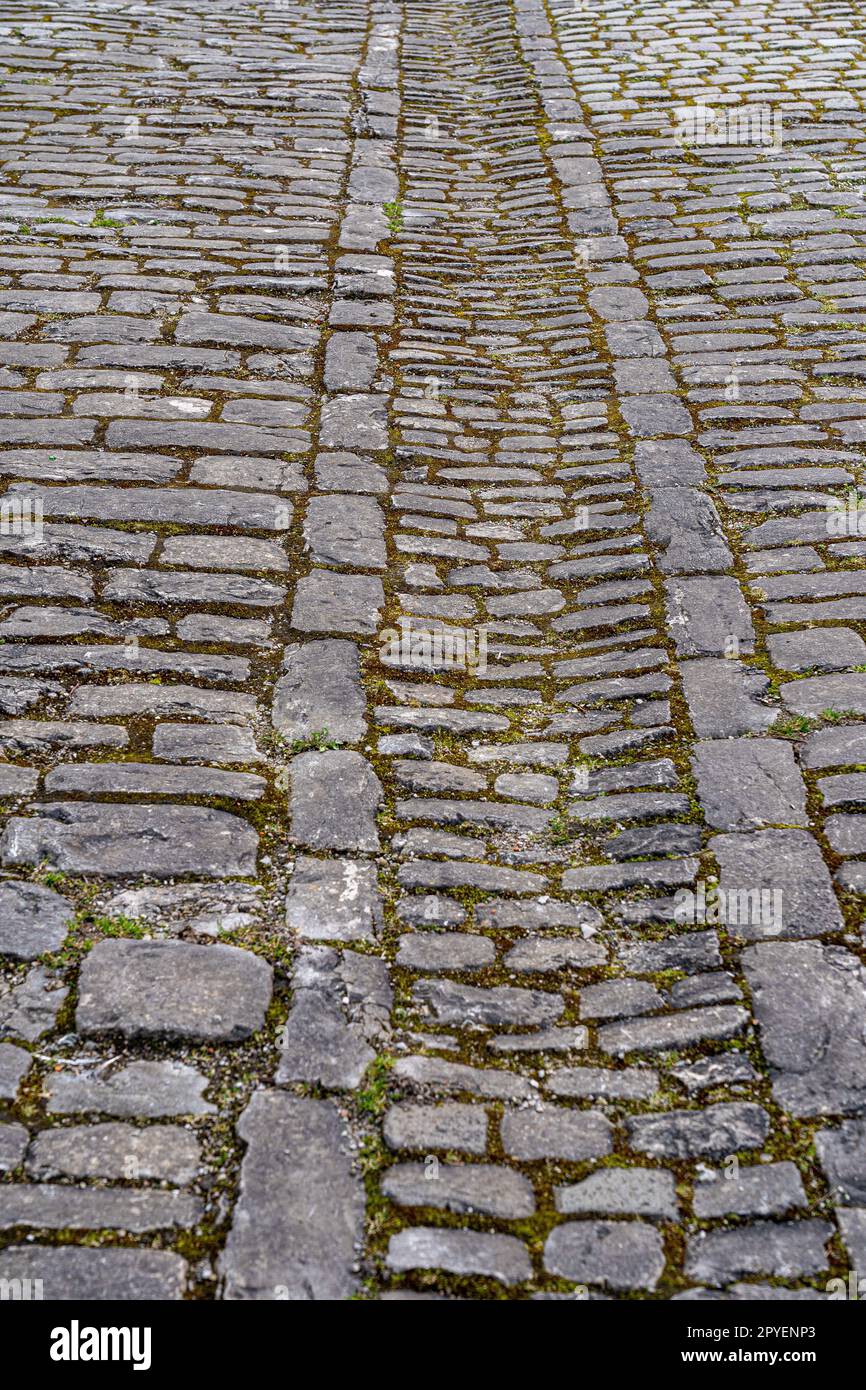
point(614, 1254)
point(73, 1273)
point(460, 1252)
point(149, 1090)
point(486, 1188)
point(749, 783)
point(340, 1009)
point(334, 900)
point(119, 841)
point(163, 1153)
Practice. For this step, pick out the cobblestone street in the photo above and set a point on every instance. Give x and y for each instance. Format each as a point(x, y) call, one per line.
point(432, 649)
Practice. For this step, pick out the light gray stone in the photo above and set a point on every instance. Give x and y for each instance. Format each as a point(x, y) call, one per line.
point(154, 989)
point(32, 919)
point(301, 1208)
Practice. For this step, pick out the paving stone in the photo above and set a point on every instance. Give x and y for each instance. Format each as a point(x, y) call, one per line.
point(217, 743)
point(717, 1131)
point(300, 1206)
point(345, 531)
point(746, 783)
point(445, 951)
point(327, 602)
point(664, 1033)
point(164, 1153)
point(149, 1090)
point(787, 1250)
point(852, 1225)
point(153, 989)
point(807, 1000)
point(628, 1083)
point(14, 1065)
point(704, 615)
point(464, 1188)
point(621, 1192)
point(445, 1126)
point(333, 899)
point(33, 919)
point(340, 1009)
point(457, 1078)
point(320, 693)
point(13, 1145)
point(821, 649)
point(842, 1151)
point(728, 1068)
point(60, 1207)
point(763, 1190)
point(333, 803)
point(498, 1007)
point(29, 1006)
point(725, 698)
point(815, 694)
point(546, 954)
point(682, 521)
point(550, 1132)
point(786, 869)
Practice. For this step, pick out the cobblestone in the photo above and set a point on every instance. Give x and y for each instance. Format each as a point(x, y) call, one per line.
point(432, 615)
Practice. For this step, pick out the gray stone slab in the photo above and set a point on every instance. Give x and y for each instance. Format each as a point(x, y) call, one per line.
point(334, 800)
point(460, 1252)
point(158, 989)
point(327, 602)
point(809, 1002)
point(147, 1090)
point(161, 1153)
point(33, 919)
point(614, 1254)
point(122, 840)
point(321, 690)
point(299, 1215)
point(334, 900)
point(341, 1002)
point(774, 883)
point(73, 1273)
point(746, 784)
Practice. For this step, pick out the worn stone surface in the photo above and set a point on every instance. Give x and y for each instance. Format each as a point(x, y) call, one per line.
point(320, 693)
point(152, 989)
point(614, 1254)
point(334, 800)
point(121, 841)
point(808, 1000)
point(70, 1273)
point(300, 1206)
point(32, 920)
